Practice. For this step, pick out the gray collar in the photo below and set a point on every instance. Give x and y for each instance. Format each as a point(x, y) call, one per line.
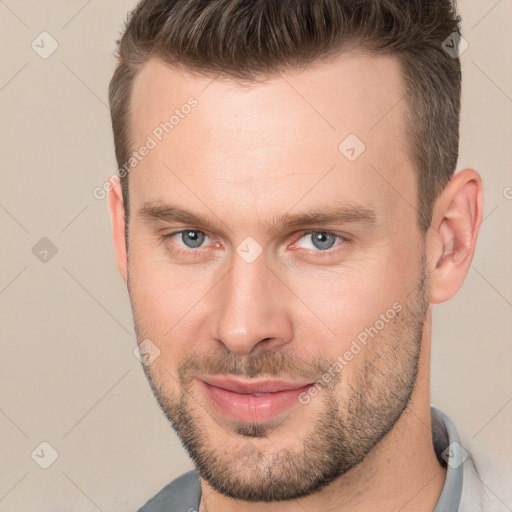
point(451, 455)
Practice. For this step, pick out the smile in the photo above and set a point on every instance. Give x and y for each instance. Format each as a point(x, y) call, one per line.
point(251, 402)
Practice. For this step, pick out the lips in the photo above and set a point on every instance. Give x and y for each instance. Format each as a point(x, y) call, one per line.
point(253, 402)
point(246, 388)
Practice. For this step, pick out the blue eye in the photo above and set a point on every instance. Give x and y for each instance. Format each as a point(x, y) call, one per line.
point(321, 240)
point(193, 241)
point(191, 238)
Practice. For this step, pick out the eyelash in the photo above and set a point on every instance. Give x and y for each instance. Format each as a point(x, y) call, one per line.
point(318, 253)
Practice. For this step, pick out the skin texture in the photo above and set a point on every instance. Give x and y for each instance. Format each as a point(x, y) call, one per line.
point(244, 157)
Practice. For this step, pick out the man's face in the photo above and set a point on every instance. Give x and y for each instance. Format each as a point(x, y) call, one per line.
point(251, 297)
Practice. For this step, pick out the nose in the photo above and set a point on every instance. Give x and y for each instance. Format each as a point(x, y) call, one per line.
point(253, 308)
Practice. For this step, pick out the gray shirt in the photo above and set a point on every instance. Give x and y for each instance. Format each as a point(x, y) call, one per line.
point(184, 493)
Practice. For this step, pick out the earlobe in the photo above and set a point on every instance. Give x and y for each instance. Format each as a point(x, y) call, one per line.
point(117, 214)
point(453, 234)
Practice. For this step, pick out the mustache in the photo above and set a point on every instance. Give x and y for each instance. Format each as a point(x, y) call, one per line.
point(266, 363)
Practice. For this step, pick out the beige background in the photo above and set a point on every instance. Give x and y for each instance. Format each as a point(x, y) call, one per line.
point(67, 369)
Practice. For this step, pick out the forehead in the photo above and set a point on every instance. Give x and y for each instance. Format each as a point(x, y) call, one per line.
point(334, 131)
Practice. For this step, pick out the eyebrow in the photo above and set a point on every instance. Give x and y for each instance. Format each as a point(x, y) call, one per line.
point(154, 211)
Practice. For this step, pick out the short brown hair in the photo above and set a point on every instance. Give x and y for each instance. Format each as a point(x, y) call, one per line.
point(249, 39)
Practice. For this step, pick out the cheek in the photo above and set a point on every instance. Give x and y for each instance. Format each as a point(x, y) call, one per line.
point(164, 297)
point(343, 302)
point(362, 313)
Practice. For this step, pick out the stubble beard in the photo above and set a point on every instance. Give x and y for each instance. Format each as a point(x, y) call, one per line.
point(354, 417)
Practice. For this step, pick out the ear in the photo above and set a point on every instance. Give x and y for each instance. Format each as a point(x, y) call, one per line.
point(453, 233)
point(117, 214)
